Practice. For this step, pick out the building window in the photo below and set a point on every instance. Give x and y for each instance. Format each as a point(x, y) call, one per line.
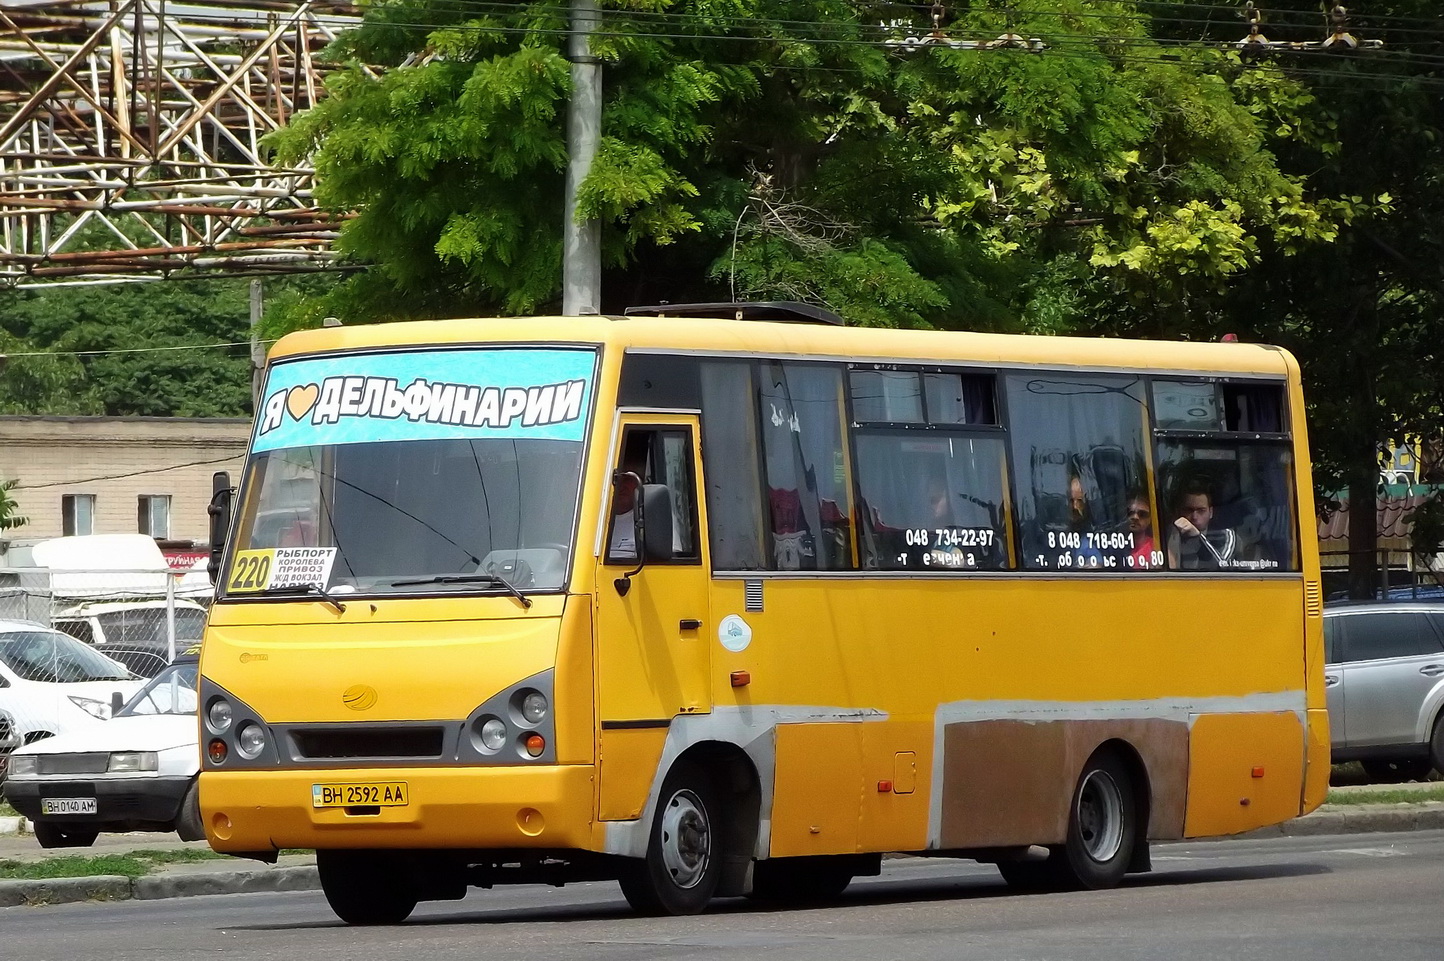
point(153, 515)
point(77, 514)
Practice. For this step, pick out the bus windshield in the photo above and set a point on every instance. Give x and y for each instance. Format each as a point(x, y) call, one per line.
point(387, 515)
point(415, 470)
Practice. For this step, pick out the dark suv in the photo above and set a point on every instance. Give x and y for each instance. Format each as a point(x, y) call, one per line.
point(1384, 676)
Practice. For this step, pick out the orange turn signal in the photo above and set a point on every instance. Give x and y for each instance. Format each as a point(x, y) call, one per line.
point(1258, 771)
point(884, 787)
point(535, 745)
point(741, 678)
point(217, 751)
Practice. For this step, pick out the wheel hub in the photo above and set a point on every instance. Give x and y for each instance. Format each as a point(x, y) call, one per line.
point(686, 839)
point(1100, 816)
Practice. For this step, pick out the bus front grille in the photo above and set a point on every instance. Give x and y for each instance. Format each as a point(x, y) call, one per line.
point(368, 742)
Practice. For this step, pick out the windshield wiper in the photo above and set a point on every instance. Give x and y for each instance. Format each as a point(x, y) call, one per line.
point(307, 589)
point(468, 579)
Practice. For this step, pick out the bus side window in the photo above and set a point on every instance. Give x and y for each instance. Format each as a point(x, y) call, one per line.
point(804, 448)
point(656, 456)
point(730, 452)
point(1080, 452)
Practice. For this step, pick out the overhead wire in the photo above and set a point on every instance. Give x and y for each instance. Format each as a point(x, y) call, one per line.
point(561, 12)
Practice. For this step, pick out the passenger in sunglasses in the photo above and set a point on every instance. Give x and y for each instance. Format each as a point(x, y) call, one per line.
point(1140, 524)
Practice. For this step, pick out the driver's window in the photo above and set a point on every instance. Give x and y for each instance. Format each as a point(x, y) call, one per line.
point(656, 455)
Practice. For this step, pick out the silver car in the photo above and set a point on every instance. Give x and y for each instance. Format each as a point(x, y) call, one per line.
point(1384, 676)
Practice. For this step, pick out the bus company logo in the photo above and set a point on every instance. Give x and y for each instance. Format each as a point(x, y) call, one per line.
point(359, 697)
point(435, 402)
point(247, 657)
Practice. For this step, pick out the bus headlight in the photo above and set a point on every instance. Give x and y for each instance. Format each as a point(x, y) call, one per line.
point(492, 734)
point(534, 707)
point(219, 715)
point(250, 740)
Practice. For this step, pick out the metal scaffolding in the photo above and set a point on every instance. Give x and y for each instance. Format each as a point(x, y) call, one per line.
point(130, 138)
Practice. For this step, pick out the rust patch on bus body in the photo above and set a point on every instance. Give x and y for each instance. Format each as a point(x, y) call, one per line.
point(1009, 782)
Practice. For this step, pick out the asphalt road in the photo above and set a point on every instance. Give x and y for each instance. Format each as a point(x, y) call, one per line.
point(1339, 898)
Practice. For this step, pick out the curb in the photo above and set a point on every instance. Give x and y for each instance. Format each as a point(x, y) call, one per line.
point(1335, 819)
point(303, 878)
point(15, 825)
point(1362, 819)
point(120, 888)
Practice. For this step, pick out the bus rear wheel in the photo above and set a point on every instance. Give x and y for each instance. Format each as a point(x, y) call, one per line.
point(684, 855)
point(1102, 833)
point(364, 887)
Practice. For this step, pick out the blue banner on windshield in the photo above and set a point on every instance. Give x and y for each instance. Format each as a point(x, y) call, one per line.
point(426, 395)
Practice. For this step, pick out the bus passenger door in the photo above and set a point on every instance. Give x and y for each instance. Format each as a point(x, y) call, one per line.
point(653, 658)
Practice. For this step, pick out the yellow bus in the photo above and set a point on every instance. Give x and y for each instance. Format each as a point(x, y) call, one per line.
point(730, 600)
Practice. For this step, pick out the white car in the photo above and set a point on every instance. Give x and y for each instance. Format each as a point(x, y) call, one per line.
point(50, 683)
point(133, 632)
point(136, 772)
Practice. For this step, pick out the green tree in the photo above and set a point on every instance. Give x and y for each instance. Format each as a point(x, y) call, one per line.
point(9, 511)
point(1364, 312)
point(757, 148)
point(140, 349)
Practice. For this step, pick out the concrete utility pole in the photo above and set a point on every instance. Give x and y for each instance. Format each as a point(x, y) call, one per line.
point(582, 242)
point(258, 353)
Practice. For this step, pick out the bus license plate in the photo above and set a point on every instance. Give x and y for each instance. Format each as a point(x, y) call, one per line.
point(67, 805)
point(359, 794)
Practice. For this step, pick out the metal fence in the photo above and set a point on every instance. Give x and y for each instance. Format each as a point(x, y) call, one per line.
point(1398, 575)
point(138, 620)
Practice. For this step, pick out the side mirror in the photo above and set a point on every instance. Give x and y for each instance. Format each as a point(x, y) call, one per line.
point(117, 701)
point(220, 514)
point(624, 481)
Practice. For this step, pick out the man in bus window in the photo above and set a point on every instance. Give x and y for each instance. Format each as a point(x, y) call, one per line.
point(1140, 528)
point(622, 537)
point(1194, 544)
point(1086, 555)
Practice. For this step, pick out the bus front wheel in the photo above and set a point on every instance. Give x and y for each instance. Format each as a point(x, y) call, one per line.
point(363, 888)
point(680, 872)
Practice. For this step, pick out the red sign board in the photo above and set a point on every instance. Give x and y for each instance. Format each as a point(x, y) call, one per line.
point(184, 560)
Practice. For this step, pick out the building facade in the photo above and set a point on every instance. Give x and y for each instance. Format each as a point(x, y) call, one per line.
point(117, 475)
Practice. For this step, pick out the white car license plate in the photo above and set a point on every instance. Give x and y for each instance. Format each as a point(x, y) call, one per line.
point(67, 805)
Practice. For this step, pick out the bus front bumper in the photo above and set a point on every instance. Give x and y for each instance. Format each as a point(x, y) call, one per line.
point(444, 809)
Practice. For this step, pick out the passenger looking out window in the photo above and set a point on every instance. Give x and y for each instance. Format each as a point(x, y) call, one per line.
point(1195, 543)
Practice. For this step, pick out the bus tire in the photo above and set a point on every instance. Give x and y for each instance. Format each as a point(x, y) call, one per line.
point(794, 881)
point(1102, 826)
point(363, 888)
point(684, 851)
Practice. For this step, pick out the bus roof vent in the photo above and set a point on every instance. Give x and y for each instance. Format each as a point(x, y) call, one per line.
point(787, 311)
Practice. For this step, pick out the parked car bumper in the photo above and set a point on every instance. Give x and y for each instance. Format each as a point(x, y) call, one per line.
point(118, 801)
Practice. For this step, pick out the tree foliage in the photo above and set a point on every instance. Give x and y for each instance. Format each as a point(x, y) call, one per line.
point(10, 517)
point(765, 149)
point(137, 349)
point(1364, 312)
